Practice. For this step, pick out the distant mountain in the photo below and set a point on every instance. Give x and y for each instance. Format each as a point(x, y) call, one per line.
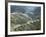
point(31, 11)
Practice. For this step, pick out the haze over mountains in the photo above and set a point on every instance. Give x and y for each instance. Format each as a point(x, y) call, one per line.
point(31, 11)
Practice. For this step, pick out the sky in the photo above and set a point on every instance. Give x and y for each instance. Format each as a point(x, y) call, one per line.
point(24, 9)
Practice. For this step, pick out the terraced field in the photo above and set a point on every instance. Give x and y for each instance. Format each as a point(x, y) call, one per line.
point(22, 22)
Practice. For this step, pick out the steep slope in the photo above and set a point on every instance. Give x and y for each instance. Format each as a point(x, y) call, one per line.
point(20, 19)
point(22, 22)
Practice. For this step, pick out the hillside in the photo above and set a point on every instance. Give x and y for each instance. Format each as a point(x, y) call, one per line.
point(22, 22)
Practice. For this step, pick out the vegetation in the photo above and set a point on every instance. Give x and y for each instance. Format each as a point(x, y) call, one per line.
point(22, 23)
